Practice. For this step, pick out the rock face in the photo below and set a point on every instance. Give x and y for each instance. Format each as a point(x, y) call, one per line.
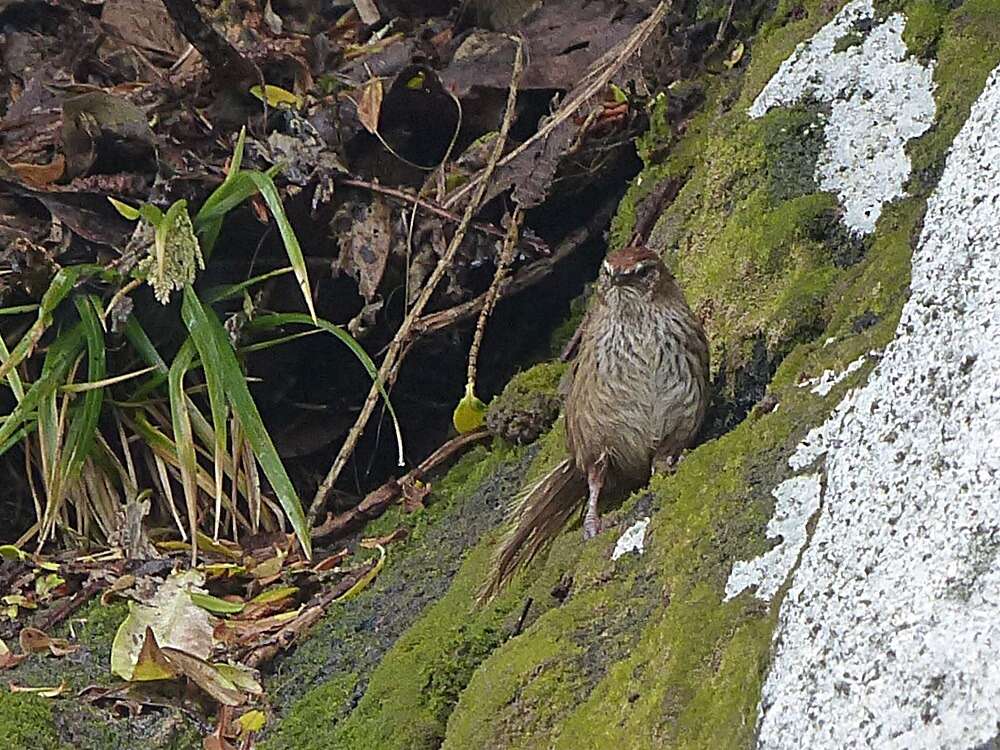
point(825, 574)
point(889, 633)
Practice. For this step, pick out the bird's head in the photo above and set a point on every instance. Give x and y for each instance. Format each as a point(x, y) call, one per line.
point(635, 269)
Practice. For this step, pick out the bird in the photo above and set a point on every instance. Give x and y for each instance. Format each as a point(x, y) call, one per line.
point(635, 398)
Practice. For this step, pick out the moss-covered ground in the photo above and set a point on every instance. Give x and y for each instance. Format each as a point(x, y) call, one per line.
point(642, 652)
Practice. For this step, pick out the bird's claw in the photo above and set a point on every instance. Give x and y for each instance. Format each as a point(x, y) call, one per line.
point(591, 527)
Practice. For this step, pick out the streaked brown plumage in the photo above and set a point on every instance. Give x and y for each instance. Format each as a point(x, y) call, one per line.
point(635, 398)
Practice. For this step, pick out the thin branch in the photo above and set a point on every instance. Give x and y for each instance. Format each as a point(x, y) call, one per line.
point(490, 301)
point(390, 365)
point(437, 210)
point(601, 72)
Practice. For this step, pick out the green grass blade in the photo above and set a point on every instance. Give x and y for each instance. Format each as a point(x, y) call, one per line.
point(18, 309)
point(275, 320)
point(59, 287)
point(220, 293)
point(197, 316)
point(83, 421)
point(12, 377)
point(212, 364)
point(58, 360)
point(184, 438)
point(268, 190)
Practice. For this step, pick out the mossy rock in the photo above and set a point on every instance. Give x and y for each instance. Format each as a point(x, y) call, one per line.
point(528, 405)
point(644, 651)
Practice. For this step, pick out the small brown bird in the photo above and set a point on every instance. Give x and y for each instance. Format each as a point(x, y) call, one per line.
point(635, 398)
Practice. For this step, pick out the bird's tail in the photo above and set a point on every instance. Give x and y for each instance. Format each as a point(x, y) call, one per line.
point(540, 513)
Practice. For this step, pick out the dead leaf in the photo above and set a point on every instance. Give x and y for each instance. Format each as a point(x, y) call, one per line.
point(370, 105)
point(374, 542)
point(100, 125)
point(152, 664)
point(177, 622)
point(35, 641)
point(414, 494)
point(328, 563)
point(365, 245)
point(44, 691)
point(205, 676)
point(8, 660)
point(40, 175)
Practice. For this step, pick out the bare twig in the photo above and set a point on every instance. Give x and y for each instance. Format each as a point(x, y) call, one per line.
point(437, 210)
point(600, 74)
point(390, 365)
point(490, 301)
point(525, 277)
point(379, 500)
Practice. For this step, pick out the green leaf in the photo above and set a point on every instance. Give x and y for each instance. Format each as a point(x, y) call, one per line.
point(83, 422)
point(277, 97)
point(268, 190)
point(58, 360)
point(220, 293)
point(61, 285)
point(183, 437)
point(216, 605)
point(132, 214)
point(195, 315)
point(211, 360)
point(280, 319)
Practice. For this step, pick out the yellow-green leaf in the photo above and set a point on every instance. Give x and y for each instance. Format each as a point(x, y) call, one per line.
point(215, 604)
point(10, 552)
point(470, 413)
point(277, 97)
point(251, 721)
point(132, 214)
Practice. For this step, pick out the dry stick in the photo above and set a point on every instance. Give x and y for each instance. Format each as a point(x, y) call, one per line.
point(503, 266)
point(390, 365)
point(437, 210)
point(602, 71)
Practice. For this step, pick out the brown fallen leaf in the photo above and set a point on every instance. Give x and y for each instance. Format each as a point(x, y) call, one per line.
point(365, 245)
point(330, 562)
point(8, 659)
point(40, 175)
point(370, 105)
point(205, 676)
point(414, 494)
point(385, 540)
point(35, 641)
point(152, 664)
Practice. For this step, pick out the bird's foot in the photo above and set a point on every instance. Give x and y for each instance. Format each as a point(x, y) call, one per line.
point(592, 526)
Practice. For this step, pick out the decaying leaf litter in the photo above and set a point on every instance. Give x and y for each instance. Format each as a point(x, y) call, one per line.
point(189, 192)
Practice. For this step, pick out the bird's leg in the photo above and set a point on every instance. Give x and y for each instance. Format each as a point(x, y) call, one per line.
point(595, 482)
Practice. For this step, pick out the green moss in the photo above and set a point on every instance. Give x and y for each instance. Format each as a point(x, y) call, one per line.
point(306, 726)
point(851, 39)
point(924, 23)
point(644, 652)
point(528, 405)
point(26, 722)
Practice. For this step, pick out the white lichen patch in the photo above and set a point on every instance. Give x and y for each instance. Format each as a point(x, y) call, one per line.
point(797, 500)
point(632, 540)
point(826, 382)
point(890, 632)
point(878, 97)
